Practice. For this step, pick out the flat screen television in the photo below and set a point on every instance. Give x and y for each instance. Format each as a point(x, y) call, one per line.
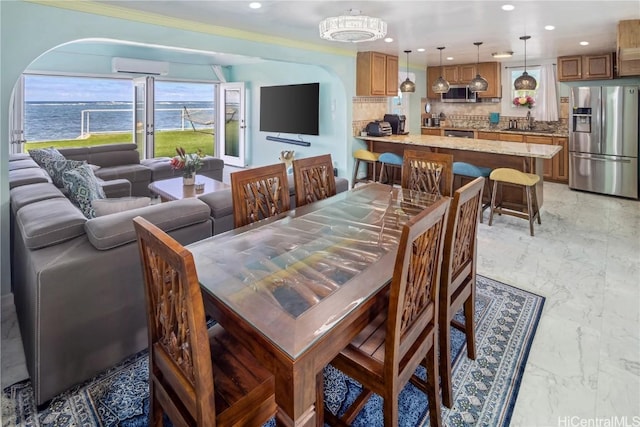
point(290, 108)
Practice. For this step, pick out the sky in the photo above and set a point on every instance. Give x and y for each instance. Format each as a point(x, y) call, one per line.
point(60, 89)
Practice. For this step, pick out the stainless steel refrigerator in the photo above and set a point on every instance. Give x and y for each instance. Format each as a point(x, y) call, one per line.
point(603, 139)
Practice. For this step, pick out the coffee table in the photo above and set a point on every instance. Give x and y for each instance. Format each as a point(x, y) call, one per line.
point(173, 189)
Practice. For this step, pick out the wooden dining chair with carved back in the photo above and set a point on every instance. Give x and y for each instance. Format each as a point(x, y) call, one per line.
point(458, 278)
point(385, 355)
point(428, 172)
point(259, 193)
point(314, 179)
point(197, 376)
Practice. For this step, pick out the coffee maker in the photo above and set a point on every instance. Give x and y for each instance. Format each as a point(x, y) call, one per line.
point(397, 122)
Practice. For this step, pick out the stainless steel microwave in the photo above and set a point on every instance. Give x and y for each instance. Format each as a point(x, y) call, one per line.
point(459, 93)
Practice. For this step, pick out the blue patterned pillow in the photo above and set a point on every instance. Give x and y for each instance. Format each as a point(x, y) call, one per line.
point(56, 168)
point(39, 155)
point(82, 187)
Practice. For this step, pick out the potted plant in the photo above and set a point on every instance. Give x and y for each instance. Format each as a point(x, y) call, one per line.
point(189, 164)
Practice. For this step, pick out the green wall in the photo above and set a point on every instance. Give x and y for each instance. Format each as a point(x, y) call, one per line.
point(29, 30)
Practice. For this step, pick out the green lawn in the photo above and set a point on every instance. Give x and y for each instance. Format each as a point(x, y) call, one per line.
point(165, 142)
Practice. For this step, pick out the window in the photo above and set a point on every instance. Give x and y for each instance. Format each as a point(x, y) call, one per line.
point(517, 72)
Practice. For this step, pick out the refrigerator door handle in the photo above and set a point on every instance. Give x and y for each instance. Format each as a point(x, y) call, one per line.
point(602, 159)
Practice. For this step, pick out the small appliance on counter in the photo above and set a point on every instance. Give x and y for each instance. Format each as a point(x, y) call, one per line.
point(378, 128)
point(397, 122)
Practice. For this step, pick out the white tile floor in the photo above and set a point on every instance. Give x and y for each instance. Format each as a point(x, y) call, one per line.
point(584, 364)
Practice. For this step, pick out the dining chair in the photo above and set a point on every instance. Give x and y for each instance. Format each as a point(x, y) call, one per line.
point(313, 179)
point(259, 193)
point(385, 355)
point(428, 172)
point(458, 278)
point(197, 376)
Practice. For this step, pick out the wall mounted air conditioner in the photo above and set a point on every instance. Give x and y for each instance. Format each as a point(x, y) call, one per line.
point(139, 66)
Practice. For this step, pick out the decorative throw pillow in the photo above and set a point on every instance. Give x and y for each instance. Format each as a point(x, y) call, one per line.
point(83, 188)
point(119, 204)
point(56, 168)
point(39, 155)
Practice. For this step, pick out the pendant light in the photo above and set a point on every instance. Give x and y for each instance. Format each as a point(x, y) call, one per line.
point(525, 81)
point(440, 85)
point(407, 85)
point(478, 84)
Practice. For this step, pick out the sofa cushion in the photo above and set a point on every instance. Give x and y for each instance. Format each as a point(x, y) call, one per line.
point(220, 202)
point(132, 172)
point(117, 229)
point(106, 155)
point(49, 222)
point(56, 168)
point(110, 206)
point(22, 164)
point(116, 188)
point(27, 194)
point(83, 187)
point(39, 155)
point(27, 176)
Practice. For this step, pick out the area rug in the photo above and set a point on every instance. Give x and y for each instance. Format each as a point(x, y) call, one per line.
point(485, 390)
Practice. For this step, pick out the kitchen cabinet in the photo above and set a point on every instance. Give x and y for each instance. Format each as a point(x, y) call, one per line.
point(513, 137)
point(628, 43)
point(488, 135)
point(376, 74)
point(585, 67)
point(561, 161)
point(433, 131)
point(463, 74)
point(548, 163)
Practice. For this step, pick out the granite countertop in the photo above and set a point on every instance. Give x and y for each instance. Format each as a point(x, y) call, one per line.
point(540, 132)
point(520, 149)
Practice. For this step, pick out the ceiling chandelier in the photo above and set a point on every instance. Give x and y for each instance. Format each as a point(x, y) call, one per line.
point(407, 85)
point(478, 84)
point(525, 81)
point(352, 28)
point(440, 85)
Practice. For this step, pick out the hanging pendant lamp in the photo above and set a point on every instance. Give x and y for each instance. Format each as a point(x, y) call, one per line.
point(525, 81)
point(479, 83)
point(440, 85)
point(407, 85)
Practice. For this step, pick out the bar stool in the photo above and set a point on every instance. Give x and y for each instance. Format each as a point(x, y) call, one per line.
point(516, 177)
point(470, 171)
point(392, 160)
point(367, 156)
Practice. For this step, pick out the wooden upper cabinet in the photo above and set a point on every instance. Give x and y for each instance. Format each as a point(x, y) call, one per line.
point(466, 73)
point(492, 73)
point(584, 67)
point(628, 42)
point(432, 75)
point(376, 74)
point(451, 74)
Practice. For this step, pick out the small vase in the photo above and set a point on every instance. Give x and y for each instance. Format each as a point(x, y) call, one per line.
point(189, 179)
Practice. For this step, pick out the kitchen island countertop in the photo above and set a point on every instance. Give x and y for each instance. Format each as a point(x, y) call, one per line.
point(520, 149)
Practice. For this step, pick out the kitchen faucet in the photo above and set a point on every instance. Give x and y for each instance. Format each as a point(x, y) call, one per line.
point(529, 120)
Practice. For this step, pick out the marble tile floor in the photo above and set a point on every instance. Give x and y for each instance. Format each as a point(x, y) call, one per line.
point(584, 364)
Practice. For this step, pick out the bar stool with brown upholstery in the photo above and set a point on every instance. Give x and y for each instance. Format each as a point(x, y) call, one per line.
point(516, 177)
point(366, 156)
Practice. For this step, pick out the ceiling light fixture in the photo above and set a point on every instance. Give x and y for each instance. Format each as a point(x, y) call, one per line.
point(508, 7)
point(440, 85)
point(255, 5)
point(549, 27)
point(478, 84)
point(407, 85)
point(525, 81)
point(352, 28)
point(505, 54)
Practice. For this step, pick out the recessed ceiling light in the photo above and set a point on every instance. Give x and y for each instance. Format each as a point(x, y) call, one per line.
point(584, 43)
point(549, 27)
point(388, 40)
point(449, 58)
point(505, 54)
point(255, 5)
point(508, 7)
point(420, 49)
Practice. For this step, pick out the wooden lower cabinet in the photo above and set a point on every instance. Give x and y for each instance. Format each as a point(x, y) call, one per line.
point(548, 164)
point(513, 137)
point(434, 131)
point(561, 161)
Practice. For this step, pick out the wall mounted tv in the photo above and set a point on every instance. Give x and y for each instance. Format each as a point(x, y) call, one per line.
point(290, 108)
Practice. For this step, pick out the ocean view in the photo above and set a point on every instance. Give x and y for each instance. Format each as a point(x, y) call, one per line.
point(55, 120)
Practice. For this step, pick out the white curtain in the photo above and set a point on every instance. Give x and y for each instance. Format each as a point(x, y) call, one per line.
point(546, 108)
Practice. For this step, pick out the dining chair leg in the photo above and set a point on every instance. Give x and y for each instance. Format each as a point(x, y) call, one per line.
point(470, 325)
point(445, 359)
point(390, 406)
point(320, 399)
point(155, 410)
point(493, 201)
point(435, 417)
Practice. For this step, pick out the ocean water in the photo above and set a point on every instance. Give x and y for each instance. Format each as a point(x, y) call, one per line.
point(47, 121)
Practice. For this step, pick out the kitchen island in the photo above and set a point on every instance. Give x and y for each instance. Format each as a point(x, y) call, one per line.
point(523, 156)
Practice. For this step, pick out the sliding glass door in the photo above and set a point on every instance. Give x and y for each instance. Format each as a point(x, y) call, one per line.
point(143, 116)
point(230, 134)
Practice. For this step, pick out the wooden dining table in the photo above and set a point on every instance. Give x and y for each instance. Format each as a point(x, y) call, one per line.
point(297, 288)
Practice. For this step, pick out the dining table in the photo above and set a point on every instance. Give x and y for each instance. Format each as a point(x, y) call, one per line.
point(295, 289)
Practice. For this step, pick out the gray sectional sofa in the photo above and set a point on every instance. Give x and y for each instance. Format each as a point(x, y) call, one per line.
point(77, 282)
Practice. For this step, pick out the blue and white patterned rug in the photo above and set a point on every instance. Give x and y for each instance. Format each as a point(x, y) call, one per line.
point(485, 390)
